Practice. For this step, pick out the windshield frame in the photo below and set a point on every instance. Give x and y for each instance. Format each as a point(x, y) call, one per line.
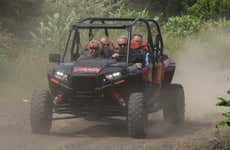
point(155, 47)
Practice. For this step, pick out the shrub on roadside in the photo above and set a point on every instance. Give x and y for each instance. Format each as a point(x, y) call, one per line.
point(225, 103)
point(210, 9)
point(182, 25)
point(52, 31)
point(7, 45)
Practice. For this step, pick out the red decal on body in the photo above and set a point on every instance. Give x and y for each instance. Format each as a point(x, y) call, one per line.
point(86, 69)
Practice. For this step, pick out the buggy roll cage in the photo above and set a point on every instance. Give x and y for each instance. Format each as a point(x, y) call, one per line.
point(156, 48)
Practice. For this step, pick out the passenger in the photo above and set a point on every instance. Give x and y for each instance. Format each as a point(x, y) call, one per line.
point(93, 50)
point(122, 43)
point(107, 47)
point(137, 42)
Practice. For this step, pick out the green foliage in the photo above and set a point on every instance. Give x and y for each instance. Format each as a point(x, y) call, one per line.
point(122, 11)
point(7, 45)
point(51, 34)
point(182, 25)
point(215, 25)
point(225, 103)
point(174, 7)
point(165, 8)
point(52, 31)
point(87, 8)
point(211, 31)
point(210, 8)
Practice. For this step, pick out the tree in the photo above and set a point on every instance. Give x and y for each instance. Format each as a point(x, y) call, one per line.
point(210, 9)
point(165, 8)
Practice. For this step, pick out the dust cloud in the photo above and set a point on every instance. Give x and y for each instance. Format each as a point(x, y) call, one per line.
point(24, 75)
point(203, 70)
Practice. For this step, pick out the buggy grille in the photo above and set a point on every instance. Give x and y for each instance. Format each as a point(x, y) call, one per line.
point(82, 83)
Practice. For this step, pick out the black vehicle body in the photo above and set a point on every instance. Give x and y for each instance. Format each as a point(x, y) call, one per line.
point(86, 89)
point(106, 87)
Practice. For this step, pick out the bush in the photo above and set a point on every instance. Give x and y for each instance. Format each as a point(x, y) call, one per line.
point(209, 9)
point(176, 29)
point(123, 11)
point(50, 35)
point(225, 103)
point(7, 45)
point(216, 25)
point(52, 31)
point(182, 25)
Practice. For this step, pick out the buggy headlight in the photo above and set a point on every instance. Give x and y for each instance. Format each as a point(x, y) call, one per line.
point(61, 75)
point(112, 76)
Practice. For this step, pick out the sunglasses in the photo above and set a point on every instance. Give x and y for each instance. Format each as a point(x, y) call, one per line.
point(139, 41)
point(93, 48)
point(105, 45)
point(122, 45)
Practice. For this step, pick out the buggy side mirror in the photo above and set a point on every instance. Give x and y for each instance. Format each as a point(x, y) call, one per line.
point(54, 58)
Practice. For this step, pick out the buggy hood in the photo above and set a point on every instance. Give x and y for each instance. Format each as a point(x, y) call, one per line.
point(96, 66)
point(91, 66)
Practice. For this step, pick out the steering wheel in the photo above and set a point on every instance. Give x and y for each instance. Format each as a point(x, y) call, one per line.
point(121, 57)
point(137, 56)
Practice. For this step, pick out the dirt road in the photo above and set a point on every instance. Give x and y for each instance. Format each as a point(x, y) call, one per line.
point(79, 134)
point(203, 77)
point(15, 133)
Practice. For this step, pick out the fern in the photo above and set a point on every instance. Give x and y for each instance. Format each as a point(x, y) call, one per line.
point(225, 103)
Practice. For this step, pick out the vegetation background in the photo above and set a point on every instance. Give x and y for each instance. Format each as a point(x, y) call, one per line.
point(31, 29)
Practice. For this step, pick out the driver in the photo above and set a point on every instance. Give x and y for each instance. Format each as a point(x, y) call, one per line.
point(122, 43)
point(93, 50)
point(107, 47)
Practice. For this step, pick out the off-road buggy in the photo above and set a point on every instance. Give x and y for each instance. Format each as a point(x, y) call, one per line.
point(103, 87)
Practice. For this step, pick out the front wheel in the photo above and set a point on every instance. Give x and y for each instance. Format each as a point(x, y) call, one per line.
point(41, 112)
point(137, 116)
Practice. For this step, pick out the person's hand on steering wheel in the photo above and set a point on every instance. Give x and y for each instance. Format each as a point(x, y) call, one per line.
point(139, 65)
point(115, 55)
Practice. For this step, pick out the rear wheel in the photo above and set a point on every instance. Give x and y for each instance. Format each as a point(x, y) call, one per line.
point(41, 112)
point(137, 116)
point(174, 103)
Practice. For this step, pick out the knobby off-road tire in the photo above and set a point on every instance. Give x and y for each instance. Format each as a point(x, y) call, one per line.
point(174, 103)
point(137, 116)
point(41, 112)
